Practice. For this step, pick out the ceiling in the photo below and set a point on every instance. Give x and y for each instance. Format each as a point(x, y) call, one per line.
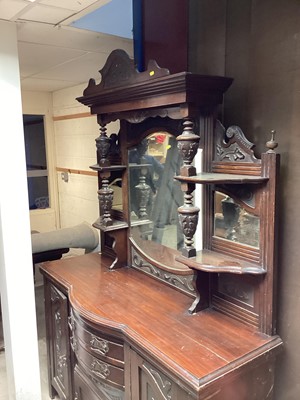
point(53, 53)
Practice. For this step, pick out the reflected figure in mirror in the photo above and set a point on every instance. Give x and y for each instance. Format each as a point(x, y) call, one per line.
point(145, 177)
point(154, 195)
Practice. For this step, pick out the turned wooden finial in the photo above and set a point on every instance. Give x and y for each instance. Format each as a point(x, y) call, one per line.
point(271, 144)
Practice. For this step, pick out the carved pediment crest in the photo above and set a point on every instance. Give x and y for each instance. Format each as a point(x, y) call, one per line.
point(119, 70)
point(232, 145)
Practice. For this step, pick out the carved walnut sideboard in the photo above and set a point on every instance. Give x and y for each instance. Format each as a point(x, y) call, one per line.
point(157, 315)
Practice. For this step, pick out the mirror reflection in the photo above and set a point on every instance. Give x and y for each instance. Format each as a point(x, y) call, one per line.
point(234, 223)
point(116, 185)
point(154, 195)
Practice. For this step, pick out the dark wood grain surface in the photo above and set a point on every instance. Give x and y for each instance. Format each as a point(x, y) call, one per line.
point(154, 317)
point(212, 261)
point(215, 178)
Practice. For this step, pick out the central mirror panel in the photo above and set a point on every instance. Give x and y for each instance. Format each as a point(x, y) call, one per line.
point(154, 196)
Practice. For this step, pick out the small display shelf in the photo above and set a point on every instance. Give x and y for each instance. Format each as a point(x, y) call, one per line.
point(220, 178)
point(115, 225)
point(230, 275)
point(231, 149)
point(212, 261)
point(110, 168)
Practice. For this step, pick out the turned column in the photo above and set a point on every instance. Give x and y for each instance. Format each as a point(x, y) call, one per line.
point(142, 188)
point(143, 193)
point(187, 144)
point(105, 193)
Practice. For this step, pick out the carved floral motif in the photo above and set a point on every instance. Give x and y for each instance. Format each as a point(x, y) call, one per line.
point(103, 143)
point(105, 196)
point(234, 132)
point(103, 146)
point(232, 155)
point(188, 219)
point(181, 282)
point(61, 365)
point(232, 145)
point(187, 144)
point(187, 149)
point(61, 358)
point(120, 69)
point(160, 381)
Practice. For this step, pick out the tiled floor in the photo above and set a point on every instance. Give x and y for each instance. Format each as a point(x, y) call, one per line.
point(42, 349)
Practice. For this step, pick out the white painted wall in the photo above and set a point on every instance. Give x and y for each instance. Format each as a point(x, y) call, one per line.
point(41, 104)
point(70, 144)
point(16, 280)
point(76, 149)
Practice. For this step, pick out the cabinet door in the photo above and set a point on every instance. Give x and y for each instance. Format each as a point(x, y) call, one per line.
point(82, 387)
point(149, 383)
point(58, 342)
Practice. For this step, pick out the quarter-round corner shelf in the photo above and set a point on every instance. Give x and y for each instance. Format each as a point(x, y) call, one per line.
point(116, 225)
point(212, 261)
point(220, 178)
point(100, 168)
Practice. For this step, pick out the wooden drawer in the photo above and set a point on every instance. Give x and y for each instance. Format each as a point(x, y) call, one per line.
point(88, 389)
point(101, 346)
point(99, 370)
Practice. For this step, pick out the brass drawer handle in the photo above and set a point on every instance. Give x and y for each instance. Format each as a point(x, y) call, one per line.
point(100, 369)
point(99, 345)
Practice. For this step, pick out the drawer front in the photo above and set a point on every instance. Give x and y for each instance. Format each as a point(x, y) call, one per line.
point(86, 389)
point(102, 347)
point(99, 370)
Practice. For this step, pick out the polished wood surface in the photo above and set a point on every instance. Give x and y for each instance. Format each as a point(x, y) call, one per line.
point(215, 178)
point(212, 261)
point(156, 251)
point(148, 314)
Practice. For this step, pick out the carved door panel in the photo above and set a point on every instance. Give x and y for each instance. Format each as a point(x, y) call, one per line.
point(58, 342)
point(82, 388)
point(149, 383)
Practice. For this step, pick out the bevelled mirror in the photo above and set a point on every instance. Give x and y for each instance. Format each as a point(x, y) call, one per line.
point(232, 221)
point(154, 196)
